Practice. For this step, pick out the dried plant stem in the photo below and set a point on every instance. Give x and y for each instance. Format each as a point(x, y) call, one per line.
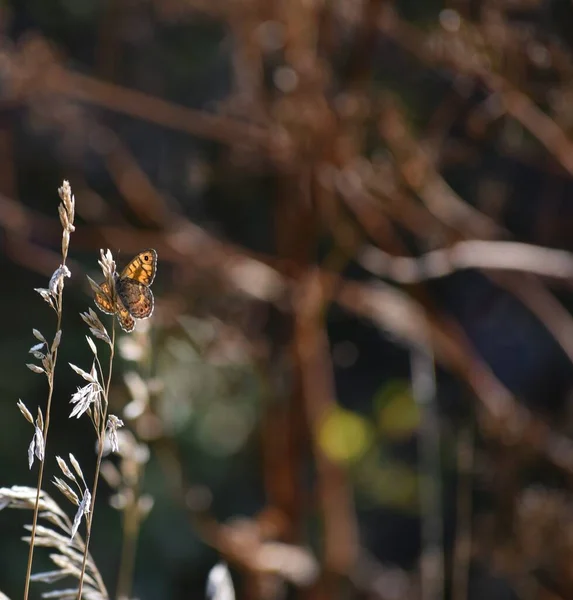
point(42, 462)
point(463, 542)
point(101, 443)
point(424, 391)
point(128, 549)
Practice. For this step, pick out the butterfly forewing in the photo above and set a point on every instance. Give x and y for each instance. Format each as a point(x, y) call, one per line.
point(104, 302)
point(141, 268)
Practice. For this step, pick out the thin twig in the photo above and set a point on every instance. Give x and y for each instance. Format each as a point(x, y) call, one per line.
point(462, 546)
point(129, 545)
point(423, 378)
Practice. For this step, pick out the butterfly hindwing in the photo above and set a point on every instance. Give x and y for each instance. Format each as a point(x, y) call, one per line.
point(136, 297)
point(126, 321)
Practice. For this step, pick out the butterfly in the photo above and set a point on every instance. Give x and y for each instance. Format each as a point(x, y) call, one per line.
point(133, 297)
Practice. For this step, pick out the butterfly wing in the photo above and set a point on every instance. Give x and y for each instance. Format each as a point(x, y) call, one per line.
point(103, 302)
point(136, 297)
point(142, 267)
point(126, 321)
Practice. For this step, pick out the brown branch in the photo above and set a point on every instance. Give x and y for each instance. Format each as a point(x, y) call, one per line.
point(312, 347)
point(514, 102)
point(471, 223)
point(419, 174)
point(471, 254)
point(41, 73)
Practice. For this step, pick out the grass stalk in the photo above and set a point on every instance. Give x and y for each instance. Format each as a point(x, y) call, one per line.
point(66, 211)
point(43, 462)
point(101, 443)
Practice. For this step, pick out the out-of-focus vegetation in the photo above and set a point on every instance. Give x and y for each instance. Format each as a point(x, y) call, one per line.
point(357, 379)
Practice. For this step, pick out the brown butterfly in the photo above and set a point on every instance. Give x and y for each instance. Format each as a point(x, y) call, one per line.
point(134, 298)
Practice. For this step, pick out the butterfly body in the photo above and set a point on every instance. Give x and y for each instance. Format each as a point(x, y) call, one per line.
point(133, 295)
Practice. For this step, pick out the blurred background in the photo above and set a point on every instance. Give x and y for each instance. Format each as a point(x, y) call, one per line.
point(357, 381)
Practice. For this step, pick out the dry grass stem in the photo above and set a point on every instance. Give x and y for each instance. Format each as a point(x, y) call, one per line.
point(47, 354)
point(93, 399)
